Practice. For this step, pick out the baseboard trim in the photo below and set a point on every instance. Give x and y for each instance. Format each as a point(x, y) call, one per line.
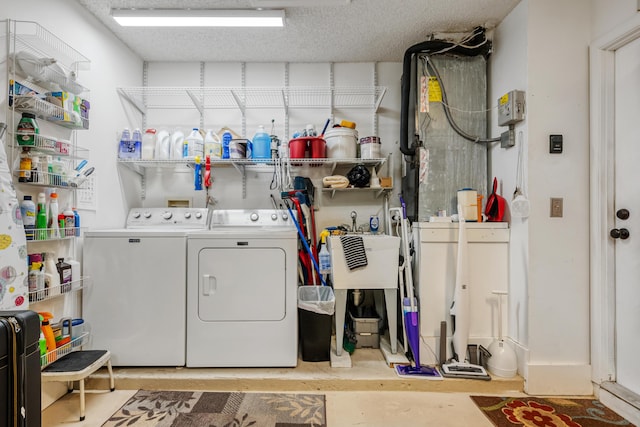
point(558, 380)
point(621, 400)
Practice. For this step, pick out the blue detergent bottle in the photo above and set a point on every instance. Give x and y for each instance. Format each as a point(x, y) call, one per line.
point(226, 140)
point(261, 144)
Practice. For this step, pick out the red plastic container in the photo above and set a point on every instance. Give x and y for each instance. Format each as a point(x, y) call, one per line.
point(307, 146)
point(298, 148)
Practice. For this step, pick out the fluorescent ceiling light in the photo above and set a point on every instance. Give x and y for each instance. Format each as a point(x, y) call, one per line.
point(198, 18)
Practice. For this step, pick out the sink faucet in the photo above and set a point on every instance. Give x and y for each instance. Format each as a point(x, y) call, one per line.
point(354, 215)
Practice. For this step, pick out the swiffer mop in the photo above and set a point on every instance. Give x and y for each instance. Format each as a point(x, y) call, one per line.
point(410, 313)
point(459, 366)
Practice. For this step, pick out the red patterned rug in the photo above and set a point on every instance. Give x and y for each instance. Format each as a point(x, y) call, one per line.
point(550, 412)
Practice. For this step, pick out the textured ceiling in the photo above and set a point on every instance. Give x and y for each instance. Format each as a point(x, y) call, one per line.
point(315, 30)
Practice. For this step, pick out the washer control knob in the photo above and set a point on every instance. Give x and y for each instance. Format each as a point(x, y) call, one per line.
point(136, 215)
point(167, 215)
point(274, 217)
point(198, 215)
point(187, 215)
point(254, 217)
point(147, 214)
point(285, 216)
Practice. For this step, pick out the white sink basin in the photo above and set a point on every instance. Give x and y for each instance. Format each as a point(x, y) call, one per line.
point(381, 271)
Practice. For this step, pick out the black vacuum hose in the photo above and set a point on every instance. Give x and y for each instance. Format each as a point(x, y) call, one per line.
point(480, 46)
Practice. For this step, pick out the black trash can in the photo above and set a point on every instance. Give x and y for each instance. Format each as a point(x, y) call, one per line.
point(316, 305)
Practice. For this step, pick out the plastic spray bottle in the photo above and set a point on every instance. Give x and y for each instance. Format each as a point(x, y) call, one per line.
point(49, 337)
point(324, 257)
point(53, 217)
point(41, 218)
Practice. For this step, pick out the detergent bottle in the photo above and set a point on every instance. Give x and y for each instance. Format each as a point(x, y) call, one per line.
point(47, 331)
point(261, 144)
point(193, 145)
point(324, 257)
point(212, 145)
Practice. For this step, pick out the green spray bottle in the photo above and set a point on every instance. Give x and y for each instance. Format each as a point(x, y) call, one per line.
point(41, 218)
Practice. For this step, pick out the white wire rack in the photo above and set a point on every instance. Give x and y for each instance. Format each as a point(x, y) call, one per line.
point(73, 345)
point(48, 111)
point(39, 295)
point(46, 144)
point(202, 98)
point(32, 37)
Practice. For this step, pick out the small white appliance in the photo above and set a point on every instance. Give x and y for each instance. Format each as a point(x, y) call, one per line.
point(242, 291)
point(136, 304)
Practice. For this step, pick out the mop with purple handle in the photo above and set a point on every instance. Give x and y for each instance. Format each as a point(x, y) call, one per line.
point(410, 313)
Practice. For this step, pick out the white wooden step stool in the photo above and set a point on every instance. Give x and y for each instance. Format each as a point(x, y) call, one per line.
point(76, 366)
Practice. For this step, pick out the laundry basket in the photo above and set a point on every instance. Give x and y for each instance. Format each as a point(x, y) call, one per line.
point(316, 305)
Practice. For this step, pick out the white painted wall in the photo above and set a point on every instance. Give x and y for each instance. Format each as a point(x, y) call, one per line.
point(112, 64)
point(508, 71)
point(549, 312)
point(558, 103)
point(606, 15)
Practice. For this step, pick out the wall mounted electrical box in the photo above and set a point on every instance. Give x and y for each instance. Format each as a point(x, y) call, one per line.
point(511, 108)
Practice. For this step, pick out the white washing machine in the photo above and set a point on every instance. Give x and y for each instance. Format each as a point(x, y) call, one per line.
point(242, 291)
point(136, 304)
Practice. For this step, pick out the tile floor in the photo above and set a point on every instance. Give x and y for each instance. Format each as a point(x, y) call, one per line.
point(367, 394)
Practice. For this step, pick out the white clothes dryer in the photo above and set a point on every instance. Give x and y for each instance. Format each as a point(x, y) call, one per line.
point(242, 291)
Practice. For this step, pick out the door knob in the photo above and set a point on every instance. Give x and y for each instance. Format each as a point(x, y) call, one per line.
point(622, 213)
point(621, 233)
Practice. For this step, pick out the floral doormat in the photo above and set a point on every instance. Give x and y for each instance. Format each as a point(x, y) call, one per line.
point(551, 412)
point(217, 409)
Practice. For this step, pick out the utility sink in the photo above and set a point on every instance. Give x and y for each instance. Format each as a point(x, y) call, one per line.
point(381, 271)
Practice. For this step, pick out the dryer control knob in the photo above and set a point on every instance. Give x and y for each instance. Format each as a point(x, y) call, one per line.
point(167, 215)
point(136, 215)
point(147, 214)
point(198, 215)
point(254, 217)
point(274, 217)
point(187, 215)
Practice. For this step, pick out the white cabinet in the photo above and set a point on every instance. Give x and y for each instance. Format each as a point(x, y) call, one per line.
point(435, 266)
point(42, 75)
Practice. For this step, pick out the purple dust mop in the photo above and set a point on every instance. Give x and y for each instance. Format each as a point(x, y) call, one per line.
point(410, 314)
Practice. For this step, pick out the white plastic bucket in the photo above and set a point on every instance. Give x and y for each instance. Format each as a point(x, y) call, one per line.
point(342, 143)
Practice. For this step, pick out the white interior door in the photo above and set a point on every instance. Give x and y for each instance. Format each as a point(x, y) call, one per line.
point(626, 231)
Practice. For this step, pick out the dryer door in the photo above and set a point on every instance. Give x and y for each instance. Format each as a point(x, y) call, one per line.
point(241, 284)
